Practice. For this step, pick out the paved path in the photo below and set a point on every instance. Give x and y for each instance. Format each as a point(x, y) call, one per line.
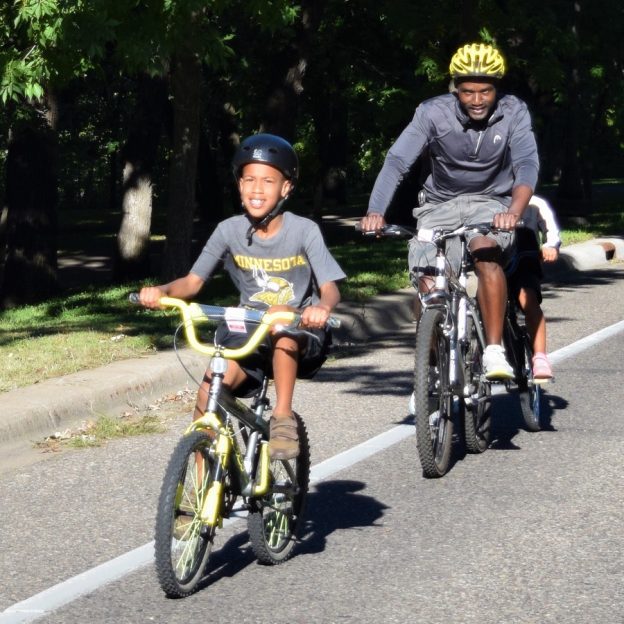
point(528, 532)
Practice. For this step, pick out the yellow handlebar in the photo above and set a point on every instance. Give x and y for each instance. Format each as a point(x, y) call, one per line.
point(195, 313)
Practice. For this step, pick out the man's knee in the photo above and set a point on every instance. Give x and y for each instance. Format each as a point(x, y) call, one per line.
point(491, 255)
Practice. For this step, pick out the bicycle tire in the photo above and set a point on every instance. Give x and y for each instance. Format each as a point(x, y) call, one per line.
point(529, 392)
point(182, 542)
point(275, 520)
point(477, 415)
point(432, 395)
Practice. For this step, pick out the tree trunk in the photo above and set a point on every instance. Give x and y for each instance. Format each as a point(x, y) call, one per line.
point(139, 156)
point(28, 270)
point(331, 124)
point(280, 116)
point(570, 189)
point(185, 90)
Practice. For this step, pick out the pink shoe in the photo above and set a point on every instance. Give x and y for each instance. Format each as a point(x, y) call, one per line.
point(542, 370)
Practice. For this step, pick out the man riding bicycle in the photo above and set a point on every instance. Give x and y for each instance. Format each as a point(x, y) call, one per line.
point(483, 168)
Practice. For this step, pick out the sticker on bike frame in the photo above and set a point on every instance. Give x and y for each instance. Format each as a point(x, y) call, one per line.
point(235, 320)
point(425, 235)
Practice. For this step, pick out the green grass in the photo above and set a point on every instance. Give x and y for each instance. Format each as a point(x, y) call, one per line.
point(100, 431)
point(80, 331)
point(373, 267)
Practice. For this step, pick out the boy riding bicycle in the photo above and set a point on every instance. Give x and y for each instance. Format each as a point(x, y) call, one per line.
point(538, 240)
point(277, 260)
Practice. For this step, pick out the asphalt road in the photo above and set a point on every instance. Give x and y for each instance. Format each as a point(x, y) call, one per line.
point(530, 531)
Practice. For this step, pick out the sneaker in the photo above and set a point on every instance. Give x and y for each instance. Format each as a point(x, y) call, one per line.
point(283, 438)
point(411, 406)
point(542, 371)
point(496, 366)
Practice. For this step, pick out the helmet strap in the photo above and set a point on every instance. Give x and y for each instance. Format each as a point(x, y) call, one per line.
point(256, 224)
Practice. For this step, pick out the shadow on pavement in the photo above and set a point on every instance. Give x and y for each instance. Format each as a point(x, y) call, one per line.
point(331, 506)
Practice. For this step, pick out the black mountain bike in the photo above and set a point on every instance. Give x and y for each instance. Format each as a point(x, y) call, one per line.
point(450, 389)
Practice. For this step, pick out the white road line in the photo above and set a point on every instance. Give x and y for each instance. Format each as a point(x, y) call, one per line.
point(585, 343)
point(59, 595)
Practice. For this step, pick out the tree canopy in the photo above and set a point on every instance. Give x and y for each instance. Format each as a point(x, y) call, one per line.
point(134, 105)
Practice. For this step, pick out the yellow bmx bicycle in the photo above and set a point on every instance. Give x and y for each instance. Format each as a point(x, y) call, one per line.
point(222, 458)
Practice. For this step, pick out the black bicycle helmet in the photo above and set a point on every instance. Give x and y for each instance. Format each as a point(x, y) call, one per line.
point(269, 149)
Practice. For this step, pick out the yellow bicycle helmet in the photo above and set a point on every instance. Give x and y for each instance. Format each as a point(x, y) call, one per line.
point(477, 59)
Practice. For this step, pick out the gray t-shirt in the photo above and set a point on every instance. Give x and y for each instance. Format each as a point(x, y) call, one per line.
point(286, 269)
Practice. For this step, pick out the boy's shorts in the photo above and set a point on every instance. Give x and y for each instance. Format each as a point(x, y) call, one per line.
point(525, 269)
point(259, 363)
point(465, 209)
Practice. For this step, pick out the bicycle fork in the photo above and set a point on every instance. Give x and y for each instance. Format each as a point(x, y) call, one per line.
point(225, 449)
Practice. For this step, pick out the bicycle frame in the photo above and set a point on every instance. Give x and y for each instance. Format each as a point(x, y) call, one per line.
point(224, 455)
point(450, 292)
point(222, 406)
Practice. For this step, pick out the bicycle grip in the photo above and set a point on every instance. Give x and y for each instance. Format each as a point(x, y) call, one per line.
point(358, 228)
point(333, 322)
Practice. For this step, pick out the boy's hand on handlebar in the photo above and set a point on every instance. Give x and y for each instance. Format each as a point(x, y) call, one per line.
point(315, 316)
point(372, 222)
point(149, 296)
point(505, 220)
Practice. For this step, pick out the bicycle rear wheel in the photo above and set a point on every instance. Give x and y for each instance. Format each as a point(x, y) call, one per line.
point(433, 397)
point(477, 416)
point(529, 392)
point(275, 520)
point(182, 542)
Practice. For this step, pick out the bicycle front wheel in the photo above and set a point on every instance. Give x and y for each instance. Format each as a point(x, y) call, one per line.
point(275, 520)
point(433, 397)
point(529, 392)
point(182, 542)
point(477, 416)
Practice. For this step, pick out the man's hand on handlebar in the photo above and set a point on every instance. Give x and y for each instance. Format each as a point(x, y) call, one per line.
point(505, 220)
point(372, 222)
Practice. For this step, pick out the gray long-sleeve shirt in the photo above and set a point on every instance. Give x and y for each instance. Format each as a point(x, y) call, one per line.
point(466, 158)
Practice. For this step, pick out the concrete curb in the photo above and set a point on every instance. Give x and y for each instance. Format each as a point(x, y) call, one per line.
point(586, 256)
point(32, 413)
point(53, 405)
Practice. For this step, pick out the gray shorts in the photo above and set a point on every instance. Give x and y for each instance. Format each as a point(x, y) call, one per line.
point(465, 209)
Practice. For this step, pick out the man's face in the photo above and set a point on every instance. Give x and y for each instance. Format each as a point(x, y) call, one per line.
point(477, 99)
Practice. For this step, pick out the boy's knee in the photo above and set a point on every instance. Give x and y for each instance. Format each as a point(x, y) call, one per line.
point(287, 345)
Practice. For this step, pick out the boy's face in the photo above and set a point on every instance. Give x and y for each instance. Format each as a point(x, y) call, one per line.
point(261, 187)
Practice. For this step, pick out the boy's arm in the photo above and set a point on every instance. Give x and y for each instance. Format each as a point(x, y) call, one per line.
point(181, 288)
point(551, 227)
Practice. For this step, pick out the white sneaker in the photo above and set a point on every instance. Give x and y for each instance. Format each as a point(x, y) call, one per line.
point(496, 366)
point(411, 406)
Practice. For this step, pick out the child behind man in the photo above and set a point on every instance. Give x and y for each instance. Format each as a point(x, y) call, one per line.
point(278, 261)
point(537, 241)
